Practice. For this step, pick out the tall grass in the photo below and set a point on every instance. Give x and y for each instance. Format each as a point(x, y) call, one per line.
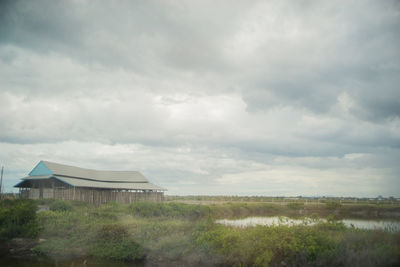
point(170, 209)
point(60, 205)
point(326, 244)
point(114, 242)
point(18, 219)
point(187, 233)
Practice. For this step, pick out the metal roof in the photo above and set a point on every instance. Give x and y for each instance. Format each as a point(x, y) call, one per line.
point(96, 184)
point(114, 176)
point(38, 177)
point(80, 177)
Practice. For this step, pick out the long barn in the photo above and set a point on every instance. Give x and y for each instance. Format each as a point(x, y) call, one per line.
point(59, 181)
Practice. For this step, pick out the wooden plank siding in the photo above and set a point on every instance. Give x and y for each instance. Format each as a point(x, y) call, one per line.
point(54, 189)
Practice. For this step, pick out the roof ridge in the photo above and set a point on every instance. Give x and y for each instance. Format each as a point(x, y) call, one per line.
point(91, 179)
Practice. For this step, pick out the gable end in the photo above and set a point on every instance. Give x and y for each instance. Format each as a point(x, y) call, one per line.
point(40, 169)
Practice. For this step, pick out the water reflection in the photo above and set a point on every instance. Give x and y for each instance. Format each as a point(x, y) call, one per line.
point(392, 226)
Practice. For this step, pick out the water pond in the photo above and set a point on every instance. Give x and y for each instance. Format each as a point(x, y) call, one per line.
point(392, 226)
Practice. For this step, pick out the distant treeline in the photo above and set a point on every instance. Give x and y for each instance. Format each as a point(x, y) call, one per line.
point(306, 200)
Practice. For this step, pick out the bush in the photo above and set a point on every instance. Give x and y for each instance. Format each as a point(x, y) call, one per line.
point(333, 205)
point(18, 219)
point(171, 209)
point(109, 211)
point(114, 242)
point(266, 245)
point(61, 205)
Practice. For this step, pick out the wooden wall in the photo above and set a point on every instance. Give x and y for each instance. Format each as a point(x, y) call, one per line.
point(91, 195)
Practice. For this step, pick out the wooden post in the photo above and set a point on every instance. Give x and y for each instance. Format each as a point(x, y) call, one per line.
point(40, 190)
point(54, 192)
point(1, 183)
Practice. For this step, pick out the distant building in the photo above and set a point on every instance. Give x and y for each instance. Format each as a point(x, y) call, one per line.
point(58, 181)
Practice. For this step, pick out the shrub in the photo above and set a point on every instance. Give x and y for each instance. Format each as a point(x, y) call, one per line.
point(114, 242)
point(44, 201)
point(266, 245)
point(61, 205)
point(109, 211)
point(171, 209)
point(333, 205)
point(18, 219)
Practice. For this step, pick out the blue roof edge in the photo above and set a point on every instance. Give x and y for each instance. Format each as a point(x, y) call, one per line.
point(40, 169)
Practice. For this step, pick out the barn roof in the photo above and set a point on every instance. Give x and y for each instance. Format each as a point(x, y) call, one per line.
point(81, 177)
point(106, 176)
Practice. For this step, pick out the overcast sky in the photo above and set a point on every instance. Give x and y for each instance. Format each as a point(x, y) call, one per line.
point(206, 97)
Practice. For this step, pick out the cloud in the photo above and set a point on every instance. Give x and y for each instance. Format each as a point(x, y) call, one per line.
point(308, 60)
point(143, 36)
point(198, 94)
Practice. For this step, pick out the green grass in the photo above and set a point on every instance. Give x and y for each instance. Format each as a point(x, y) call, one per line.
point(171, 210)
point(60, 205)
point(114, 242)
point(18, 219)
point(326, 244)
point(188, 234)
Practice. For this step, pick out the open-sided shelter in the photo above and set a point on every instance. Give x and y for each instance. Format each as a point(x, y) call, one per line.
point(59, 181)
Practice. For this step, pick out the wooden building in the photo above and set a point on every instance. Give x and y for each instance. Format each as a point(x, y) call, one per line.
point(58, 181)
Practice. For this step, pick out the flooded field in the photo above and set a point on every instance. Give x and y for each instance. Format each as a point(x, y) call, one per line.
point(387, 225)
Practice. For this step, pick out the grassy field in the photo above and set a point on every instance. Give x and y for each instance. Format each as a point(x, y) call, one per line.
point(175, 232)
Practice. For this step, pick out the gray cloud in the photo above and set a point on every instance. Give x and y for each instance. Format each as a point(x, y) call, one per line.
point(325, 52)
point(143, 36)
point(205, 95)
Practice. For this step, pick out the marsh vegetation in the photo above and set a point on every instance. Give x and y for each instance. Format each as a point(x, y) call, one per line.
point(173, 232)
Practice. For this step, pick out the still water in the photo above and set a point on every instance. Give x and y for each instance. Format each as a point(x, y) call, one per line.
point(392, 226)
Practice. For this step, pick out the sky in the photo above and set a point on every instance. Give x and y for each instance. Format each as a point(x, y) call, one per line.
point(274, 98)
